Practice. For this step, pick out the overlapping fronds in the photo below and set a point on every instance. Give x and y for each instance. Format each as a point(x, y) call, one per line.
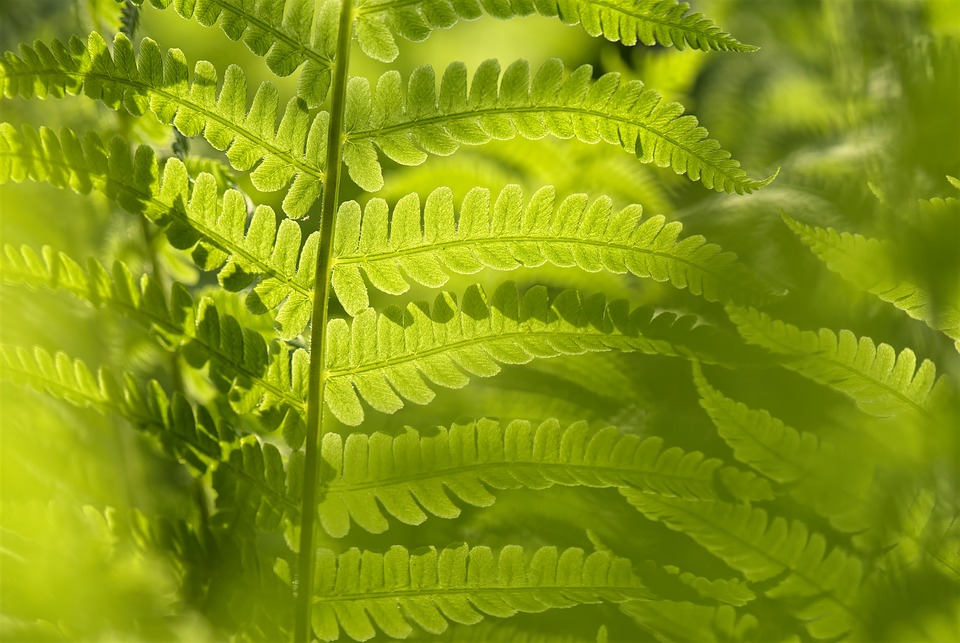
point(284, 33)
point(428, 244)
point(408, 123)
point(683, 621)
point(249, 476)
point(823, 586)
point(382, 356)
point(242, 247)
point(408, 476)
point(151, 81)
point(256, 376)
point(651, 22)
point(866, 264)
point(193, 436)
point(363, 592)
point(816, 472)
point(881, 381)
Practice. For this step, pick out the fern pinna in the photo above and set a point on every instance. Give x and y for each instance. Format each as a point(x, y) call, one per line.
point(357, 403)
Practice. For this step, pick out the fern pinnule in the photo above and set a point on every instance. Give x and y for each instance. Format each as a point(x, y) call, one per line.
point(242, 247)
point(151, 81)
point(407, 124)
point(882, 382)
point(429, 243)
point(651, 22)
point(462, 584)
point(409, 476)
point(381, 357)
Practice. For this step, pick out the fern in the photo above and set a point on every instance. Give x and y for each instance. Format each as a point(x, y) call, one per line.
point(664, 22)
point(405, 471)
point(191, 210)
point(761, 550)
point(406, 126)
point(863, 262)
point(459, 584)
point(381, 357)
point(317, 367)
point(505, 234)
point(881, 381)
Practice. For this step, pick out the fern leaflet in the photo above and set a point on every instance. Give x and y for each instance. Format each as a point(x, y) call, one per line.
point(192, 212)
point(159, 83)
point(406, 126)
point(285, 34)
point(683, 621)
point(408, 475)
point(880, 381)
point(381, 356)
point(865, 263)
point(506, 234)
point(356, 589)
point(663, 22)
point(745, 539)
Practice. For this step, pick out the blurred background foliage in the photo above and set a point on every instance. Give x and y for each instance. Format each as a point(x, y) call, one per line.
point(856, 102)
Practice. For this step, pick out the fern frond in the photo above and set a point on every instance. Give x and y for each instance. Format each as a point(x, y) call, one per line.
point(681, 621)
point(406, 125)
point(248, 476)
point(257, 377)
point(408, 476)
point(381, 357)
point(505, 233)
point(461, 584)
point(731, 592)
point(824, 587)
point(651, 22)
point(758, 439)
point(865, 263)
point(284, 33)
point(150, 81)
point(816, 472)
point(192, 212)
point(880, 381)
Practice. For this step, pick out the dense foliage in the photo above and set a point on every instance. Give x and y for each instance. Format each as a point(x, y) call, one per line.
point(332, 337)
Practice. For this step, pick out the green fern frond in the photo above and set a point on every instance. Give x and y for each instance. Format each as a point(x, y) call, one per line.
point(880, 381)
point(651, 22)
point(816, 472)
point(150, 81)
point(505, 233)
point(284, 33)
point(824, 587)
point(248, 476)
point(192, 212)
point(408, 476)
point(381, 357)
point(670, 621)
point(408, 124)
point(257, 377)
point(731, 592)
point(396, 590)
point(865, 263)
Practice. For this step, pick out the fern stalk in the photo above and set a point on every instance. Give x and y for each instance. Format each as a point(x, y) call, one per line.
point(321, 293)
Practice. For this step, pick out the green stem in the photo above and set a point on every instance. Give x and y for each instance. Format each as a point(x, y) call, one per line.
point(321, 293)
